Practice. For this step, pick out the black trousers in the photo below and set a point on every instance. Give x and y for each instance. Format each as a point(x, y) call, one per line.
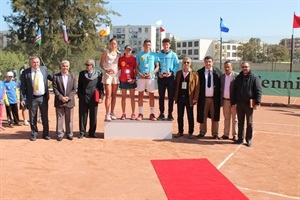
point(163, 85)
point(41, 103)
point(243, 110)
point(86, 109)
point(183, 102)
point(12, 113)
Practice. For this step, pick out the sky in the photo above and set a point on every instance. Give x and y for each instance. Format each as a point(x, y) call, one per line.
point(269, 20)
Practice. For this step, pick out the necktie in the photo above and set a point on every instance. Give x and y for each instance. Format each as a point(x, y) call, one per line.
point(209, 79)
point(36, 81)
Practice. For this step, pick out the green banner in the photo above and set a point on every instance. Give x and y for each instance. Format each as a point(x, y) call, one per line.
point(280, 83)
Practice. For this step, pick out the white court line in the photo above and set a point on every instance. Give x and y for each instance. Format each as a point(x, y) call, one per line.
point(277, 124)
point(280, 133)
point(266, 192)
point(228, 157)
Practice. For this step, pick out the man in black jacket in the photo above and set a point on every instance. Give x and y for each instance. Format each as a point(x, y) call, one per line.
point(246, 97)
point(89, 81)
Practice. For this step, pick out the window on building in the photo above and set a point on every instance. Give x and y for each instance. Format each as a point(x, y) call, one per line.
point(196, 43)
point(196, 51)
point(139, 30)
point(233, 47)
point(146, 30)
point(228, 47)
point(183, 52)
point(228, 54)
point(179, 44)
point(190, 44)
point(233, 54)
point(183, 44)
point(178, 52)
point(190, 52)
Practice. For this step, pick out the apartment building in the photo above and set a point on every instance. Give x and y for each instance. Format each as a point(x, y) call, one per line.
point(197, 49)
point(134, 35)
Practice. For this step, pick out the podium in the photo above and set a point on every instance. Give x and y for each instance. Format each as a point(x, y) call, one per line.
point(133, 129)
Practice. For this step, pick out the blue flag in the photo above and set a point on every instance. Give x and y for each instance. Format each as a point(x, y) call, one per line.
point(223, 26)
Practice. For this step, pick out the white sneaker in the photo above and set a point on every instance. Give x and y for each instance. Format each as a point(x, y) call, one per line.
point(107, 118)
point(26, 123)
point(113, 117)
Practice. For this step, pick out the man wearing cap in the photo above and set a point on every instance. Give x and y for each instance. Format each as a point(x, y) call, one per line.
point(11, 100)
point(34, 85)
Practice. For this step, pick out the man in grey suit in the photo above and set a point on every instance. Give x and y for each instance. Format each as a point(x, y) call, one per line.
point(229, 111)
point(64, 88)
point(34, 86)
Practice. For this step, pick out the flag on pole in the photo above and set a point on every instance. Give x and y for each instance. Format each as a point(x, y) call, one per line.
point(162, 29)
point(65, 34)
point(223, 26)
point(38, 37)
point(296, 23)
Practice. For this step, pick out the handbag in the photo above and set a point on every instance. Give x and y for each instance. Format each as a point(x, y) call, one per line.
point(96, 96)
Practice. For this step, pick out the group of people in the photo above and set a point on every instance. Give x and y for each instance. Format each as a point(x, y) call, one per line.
point(208, 88)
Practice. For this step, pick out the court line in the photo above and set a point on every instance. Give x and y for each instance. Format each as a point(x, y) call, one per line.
point(277, 124)
point(266, 192)
point(228, 157)
point(279, 133)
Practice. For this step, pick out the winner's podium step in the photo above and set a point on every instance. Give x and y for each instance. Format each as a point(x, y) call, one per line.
point(133, 129)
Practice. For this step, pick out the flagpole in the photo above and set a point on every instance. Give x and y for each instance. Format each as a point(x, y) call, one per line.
point(220, 49)
point(291, 61)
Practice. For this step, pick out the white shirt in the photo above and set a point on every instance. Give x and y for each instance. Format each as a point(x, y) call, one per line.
point(226, 93)
point(209, 92)
point(65, 78)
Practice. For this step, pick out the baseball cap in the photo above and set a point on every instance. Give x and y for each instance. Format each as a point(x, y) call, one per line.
point(127, 47)
point(10, 74)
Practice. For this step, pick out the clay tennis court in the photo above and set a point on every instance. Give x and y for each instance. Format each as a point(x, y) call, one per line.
point(90, 169)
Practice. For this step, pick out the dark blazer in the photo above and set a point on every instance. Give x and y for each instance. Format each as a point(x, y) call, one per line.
point(193, 86)
point(87, 86)
point(201, 101)
point(60, 92)
point(26, 83)
point(246, 88)
point(222, 80)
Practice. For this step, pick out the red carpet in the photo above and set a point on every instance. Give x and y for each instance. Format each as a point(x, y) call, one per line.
point(193, 179)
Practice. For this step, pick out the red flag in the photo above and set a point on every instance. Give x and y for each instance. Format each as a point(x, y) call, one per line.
point(162, 29)
point(296, 23)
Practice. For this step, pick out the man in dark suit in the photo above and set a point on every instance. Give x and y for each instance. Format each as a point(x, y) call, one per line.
point(34, 86)
point(64, 88)
point(209, 98)
point(90, 93)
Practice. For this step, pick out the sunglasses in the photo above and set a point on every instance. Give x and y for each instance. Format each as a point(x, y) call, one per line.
point(186, 62)
point(86, 64)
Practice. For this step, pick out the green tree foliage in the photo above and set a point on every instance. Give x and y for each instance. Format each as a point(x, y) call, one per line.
point(277, 53)
point(252, 51)
point(10, 61)
point(81, 17)
point(173, 44)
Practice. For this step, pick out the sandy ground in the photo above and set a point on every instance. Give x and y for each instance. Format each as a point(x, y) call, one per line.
point(90, 169)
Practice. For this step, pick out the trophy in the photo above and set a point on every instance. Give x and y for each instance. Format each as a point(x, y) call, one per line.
point(127, 72)
point(146, 73)
point(164, 70)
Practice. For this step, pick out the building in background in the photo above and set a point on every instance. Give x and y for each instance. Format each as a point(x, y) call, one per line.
point(134, 35)
point(287, 42)
point(197, 49)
